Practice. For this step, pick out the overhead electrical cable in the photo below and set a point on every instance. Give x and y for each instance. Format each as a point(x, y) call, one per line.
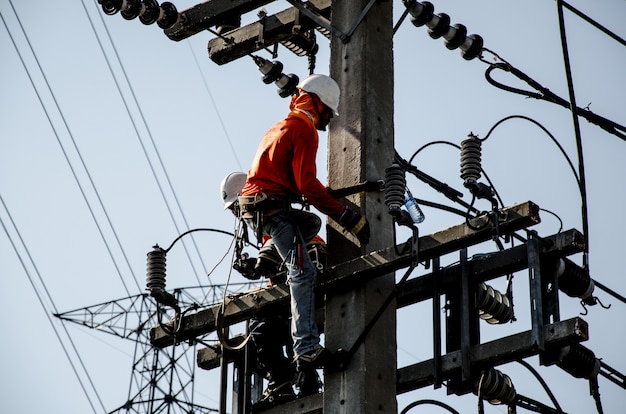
point(593, 23)
point(579, 144)
point(217, 111)
point(42, 303)
point(544, 129)
point(74, 173)
point(542, 382)
point(152, 168)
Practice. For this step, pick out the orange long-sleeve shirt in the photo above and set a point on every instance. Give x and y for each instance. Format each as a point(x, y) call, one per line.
point(284, 164)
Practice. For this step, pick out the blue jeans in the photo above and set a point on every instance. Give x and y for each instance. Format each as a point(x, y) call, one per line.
point(290, 232)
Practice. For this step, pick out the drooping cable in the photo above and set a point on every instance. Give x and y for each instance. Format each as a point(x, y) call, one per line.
point(43, 305)
point(219, 262)
point(431, 402)
point(554, 140)
point(141, 141)
point(546, 94)
point(156, 274)
point(543, 384)
point(552, 137)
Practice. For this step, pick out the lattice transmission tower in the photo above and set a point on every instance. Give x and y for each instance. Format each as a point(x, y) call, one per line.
point(162, 380)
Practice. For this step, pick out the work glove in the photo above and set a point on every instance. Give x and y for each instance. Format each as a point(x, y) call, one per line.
point(245, 266)
point(356, 224)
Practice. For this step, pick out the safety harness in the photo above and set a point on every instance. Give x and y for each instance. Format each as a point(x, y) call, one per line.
point(259, 207)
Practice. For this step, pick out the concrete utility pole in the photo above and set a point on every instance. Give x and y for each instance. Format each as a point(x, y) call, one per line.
point(361, 146)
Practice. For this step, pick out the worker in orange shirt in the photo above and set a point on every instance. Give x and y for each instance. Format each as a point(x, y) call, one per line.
point(284, 171)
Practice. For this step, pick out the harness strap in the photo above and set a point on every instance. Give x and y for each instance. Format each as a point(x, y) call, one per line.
point(261, 202)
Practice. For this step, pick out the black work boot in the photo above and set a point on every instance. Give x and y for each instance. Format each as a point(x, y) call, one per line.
point(274, 394)
point(316, 358)
point(308, 382)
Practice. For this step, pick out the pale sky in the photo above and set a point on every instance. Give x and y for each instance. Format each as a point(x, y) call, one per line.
point(83, 185)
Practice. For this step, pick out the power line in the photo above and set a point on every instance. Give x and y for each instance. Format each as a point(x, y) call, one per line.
point(579, 144)
point(64, 150)
point(593, 23)
point(140, 138)
point(41, 301)
point(217, 112)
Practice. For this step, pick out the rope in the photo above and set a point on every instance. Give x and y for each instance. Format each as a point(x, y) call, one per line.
point(219, 318)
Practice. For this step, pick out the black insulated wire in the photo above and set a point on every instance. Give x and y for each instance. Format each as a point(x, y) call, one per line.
point(430, 402)
point(578, 135)
point(543, 383)
point(593, 23)
point(546, 94)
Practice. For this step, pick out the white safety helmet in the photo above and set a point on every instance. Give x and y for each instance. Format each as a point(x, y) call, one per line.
point(325, 88)
point(231, 187)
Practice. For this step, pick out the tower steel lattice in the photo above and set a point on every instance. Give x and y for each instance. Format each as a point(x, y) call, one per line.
point(162, 380)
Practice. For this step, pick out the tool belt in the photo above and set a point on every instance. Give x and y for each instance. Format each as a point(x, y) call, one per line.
point(249, 206)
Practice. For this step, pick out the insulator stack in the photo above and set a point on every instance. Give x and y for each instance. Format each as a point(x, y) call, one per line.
point(155, 276)
point(395, 184)
point(574, 281)
point(148, 11)
point(131, 10)
point(273, 72)
point(111, 7)
point(579, 362)
point(168, 15)
point(471, 159)
point(497, 388)
point(287, 85)
point(439, 26)
point(493, 306)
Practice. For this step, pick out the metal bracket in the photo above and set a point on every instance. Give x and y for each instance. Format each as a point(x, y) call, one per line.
point(377, 186)
point(534, 275)
point(360, 18)
point(345, 37)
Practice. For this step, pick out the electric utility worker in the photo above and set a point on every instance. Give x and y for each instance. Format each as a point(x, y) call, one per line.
point(284, 169)
point(269, 333)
